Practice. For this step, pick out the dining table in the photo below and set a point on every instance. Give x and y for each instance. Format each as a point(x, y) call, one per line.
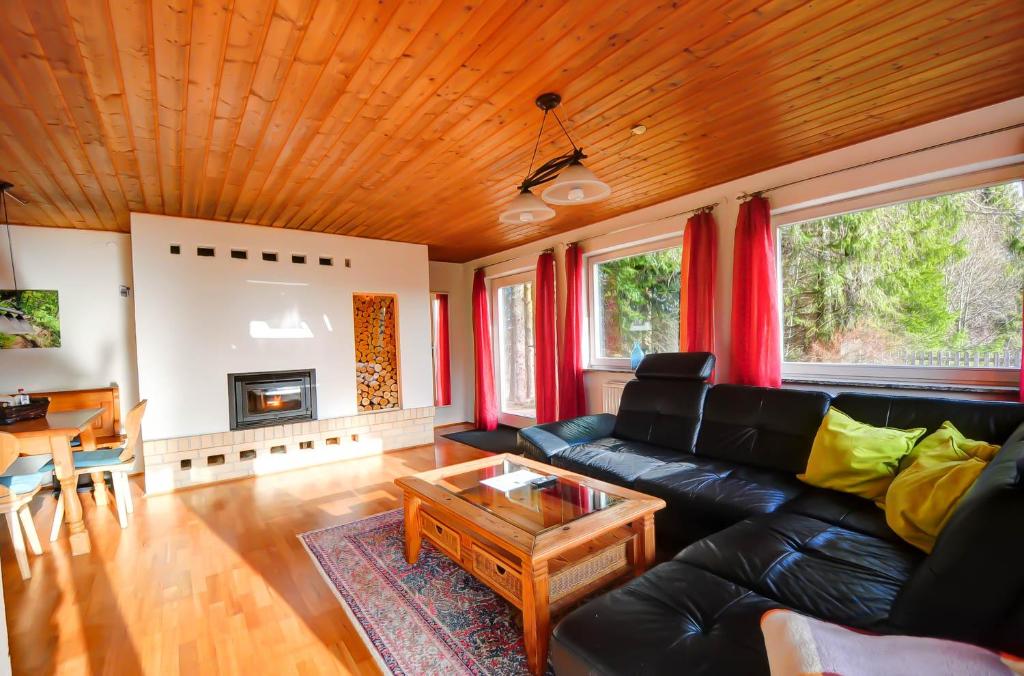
point(53, 435)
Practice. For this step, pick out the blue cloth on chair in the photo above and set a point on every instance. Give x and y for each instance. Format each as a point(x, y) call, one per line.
point(87, 459)
point(21, 483)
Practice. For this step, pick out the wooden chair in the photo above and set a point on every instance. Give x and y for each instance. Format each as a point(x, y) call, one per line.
point(16, 492)
point(117, 461)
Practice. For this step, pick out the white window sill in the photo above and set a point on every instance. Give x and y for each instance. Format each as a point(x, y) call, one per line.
point(607, 369)
point(909, 386)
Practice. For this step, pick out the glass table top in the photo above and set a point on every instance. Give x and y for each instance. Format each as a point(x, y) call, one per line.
point(534, 510)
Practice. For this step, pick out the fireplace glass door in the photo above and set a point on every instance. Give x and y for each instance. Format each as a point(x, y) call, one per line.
point(263, 398)
point(259, 399)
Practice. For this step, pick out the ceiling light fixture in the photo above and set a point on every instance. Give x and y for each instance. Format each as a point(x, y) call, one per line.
point(571, 182)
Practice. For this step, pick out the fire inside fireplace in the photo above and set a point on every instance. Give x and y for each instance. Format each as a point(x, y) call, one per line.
point(271, 397)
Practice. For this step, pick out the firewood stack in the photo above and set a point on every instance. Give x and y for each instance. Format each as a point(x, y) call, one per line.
point(376, 352)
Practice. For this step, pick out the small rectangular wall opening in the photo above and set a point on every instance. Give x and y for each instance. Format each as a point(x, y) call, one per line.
point(248, 454)
point(186, 464)
point(206, 251)
point(270, 256)
point(325, 260)
point(217, 459)
point(280, 448)
point(240, 254)
point(176, 249)
point(305, 445)
point(332, 441)
point(299, 259)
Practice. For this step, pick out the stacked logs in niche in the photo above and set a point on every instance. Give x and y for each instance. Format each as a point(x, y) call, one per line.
point(376, 353)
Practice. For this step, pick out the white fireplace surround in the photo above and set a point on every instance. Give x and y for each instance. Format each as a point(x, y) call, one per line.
point(200, 317)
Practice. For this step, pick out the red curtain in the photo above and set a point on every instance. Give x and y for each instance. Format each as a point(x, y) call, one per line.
point(572, 398)
point(486, 409)
point(544, 340)
point(756, 344)
point(442, 357)
point(697, 289)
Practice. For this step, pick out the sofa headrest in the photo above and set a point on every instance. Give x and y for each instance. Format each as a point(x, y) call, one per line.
point(676, 366)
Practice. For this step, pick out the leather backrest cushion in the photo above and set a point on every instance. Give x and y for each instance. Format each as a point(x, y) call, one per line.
point(971, 587)
point(991, 421)
point(676, 366)
point(662, 412)
point(761, 426)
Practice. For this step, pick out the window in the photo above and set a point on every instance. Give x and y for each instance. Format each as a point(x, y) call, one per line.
point(926, 290)
point(513, 328)
point(634, 301)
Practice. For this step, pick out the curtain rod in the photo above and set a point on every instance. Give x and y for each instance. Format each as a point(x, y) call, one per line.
point(747, 195)
point(706, 207)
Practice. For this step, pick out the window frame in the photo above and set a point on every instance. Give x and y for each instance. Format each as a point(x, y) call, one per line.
point(496, 284)
point(882, 375)
point(591, 261)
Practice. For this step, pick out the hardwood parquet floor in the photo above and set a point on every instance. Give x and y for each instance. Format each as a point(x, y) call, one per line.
point(211, 580)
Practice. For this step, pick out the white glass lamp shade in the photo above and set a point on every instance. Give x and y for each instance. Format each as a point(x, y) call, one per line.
point(526, 208)
point(576, 185)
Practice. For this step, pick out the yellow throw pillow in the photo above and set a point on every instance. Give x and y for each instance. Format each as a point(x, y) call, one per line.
point(856, 458)
point(923, 497)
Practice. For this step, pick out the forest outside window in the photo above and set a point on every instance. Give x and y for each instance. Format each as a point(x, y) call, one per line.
point(922, 291)
point(634, 302)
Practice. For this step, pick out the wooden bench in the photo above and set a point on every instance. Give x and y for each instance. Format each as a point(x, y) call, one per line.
point(106, 427)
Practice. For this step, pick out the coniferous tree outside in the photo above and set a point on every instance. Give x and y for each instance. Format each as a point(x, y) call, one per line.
point(935, 281)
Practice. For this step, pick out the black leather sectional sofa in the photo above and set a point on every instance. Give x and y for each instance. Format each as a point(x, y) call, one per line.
point(753, 537)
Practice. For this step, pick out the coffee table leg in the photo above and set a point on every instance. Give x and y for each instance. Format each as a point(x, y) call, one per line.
point(412, 528)
point(643, 544)
point(536, 616)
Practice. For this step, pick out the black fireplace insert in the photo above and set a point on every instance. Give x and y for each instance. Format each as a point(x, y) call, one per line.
point(271, 398)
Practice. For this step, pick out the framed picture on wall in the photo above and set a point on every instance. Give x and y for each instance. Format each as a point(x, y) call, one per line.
point(29, 319)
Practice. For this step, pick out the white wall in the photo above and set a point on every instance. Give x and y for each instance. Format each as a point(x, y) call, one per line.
point(97, 325)
point(990, 158)
point(193, 316)
point(451, 278)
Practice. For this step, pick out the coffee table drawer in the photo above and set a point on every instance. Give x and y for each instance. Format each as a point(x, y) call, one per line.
point(443, 536)
point(498, 573)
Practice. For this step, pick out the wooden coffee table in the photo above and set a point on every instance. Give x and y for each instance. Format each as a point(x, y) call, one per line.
point(541, 549)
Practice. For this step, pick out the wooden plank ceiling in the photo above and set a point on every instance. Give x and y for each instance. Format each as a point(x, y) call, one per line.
point(415, 120)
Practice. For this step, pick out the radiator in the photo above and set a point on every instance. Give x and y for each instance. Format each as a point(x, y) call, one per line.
point(611, 394)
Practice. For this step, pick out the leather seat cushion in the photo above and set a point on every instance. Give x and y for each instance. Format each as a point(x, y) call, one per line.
point(811, 566)
point(842, 509)
point(615, 460)
point(729, 490)
point(705, 495)
point(675, 619)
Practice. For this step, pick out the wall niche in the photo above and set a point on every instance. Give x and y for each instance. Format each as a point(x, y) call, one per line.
point(376, 333)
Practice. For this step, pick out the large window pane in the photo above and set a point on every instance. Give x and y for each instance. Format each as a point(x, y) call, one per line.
point(516, 355)
point(637, 299)
point(932, 282)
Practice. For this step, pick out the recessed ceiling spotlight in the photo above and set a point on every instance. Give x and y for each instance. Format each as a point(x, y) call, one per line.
point(638, 130)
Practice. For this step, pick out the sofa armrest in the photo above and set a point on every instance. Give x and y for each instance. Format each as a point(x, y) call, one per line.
point(541, 442)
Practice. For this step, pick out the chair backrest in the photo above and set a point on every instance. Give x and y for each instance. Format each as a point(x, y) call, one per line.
point(132, 430)
point(8, 454)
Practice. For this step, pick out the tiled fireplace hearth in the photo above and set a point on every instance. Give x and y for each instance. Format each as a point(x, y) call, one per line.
point(191, 461)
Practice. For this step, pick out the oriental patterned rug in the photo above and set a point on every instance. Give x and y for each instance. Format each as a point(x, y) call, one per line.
point(429, 618)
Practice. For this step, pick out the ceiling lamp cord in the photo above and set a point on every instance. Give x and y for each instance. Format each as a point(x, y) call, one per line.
point(536, 145)
point(10, 244)
point(559, 120)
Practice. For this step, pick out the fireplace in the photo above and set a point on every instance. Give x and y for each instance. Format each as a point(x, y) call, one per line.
point(271, 398)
